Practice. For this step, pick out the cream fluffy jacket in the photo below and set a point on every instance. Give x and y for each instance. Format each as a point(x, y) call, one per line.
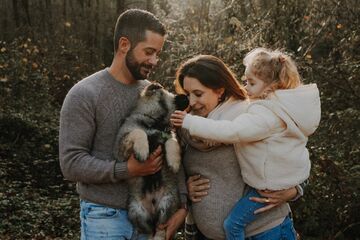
point(269, 138)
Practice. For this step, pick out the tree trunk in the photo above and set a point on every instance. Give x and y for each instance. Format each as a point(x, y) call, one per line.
point(203, 19)
point(16, 13)
point(25, 4)
point(120, 6)
point(48, 9)
point(149, 6)
point(96, 30)
point(243, 11)
point(65, 10)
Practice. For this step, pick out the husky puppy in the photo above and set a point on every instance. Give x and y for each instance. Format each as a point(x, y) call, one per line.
point(153, 198)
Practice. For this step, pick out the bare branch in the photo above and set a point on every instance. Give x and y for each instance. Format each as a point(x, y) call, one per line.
point(224, 9)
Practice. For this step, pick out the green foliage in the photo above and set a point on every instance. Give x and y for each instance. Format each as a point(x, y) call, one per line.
point(33, 192)
point(36, 73)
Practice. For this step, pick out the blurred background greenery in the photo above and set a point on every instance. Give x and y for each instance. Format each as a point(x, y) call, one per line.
point(46, 46)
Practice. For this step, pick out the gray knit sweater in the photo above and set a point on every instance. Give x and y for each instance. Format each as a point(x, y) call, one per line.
point(91, 115)
point(220, 165)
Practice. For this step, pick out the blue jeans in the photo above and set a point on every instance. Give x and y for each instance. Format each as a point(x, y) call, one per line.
point(101, 222)
point(243, 213)
point(283, 231)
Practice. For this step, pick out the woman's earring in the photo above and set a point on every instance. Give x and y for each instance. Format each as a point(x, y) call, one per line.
point(221, 98)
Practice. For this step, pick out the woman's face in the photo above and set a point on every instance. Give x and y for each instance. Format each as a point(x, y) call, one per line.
point(202, 99)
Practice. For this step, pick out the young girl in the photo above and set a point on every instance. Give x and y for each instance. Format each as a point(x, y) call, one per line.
point(270, 138)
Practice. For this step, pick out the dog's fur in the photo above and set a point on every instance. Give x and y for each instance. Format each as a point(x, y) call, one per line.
point(153, 198)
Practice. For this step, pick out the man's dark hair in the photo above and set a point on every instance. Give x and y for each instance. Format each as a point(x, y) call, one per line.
point(133, 24)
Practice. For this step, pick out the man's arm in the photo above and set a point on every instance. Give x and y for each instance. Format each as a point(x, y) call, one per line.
point(77, 130)
point(276, 198)
point(300, 190)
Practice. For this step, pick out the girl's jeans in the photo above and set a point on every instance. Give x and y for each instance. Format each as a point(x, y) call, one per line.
point(243, 213)
point(101, 222)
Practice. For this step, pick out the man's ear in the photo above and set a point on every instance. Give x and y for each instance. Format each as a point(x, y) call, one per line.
point(124, 45)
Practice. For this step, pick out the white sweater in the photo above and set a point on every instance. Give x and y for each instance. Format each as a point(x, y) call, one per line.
point(269, 138)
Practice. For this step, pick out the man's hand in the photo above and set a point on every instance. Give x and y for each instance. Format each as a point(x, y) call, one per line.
point(197, 187)
point(150, 166)
point(175, 221)
point(274, 198)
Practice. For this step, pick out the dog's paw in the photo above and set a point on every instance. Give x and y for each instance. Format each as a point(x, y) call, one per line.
point(140, 144)
point(173, 154)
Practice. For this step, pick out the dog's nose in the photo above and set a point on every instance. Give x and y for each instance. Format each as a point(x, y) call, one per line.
point(181, 102)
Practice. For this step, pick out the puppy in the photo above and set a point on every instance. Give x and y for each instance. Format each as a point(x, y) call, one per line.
point(153, 198)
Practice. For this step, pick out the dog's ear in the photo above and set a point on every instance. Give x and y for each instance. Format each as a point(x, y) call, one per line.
point(181, 102)
point(152, 88)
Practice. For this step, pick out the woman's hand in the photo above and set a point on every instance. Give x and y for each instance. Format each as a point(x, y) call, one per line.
point(274, 198)
point(177, 118)
point(175, 221)
point(197, 187)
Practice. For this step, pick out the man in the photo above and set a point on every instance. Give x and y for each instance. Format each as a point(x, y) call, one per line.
point(91, 115)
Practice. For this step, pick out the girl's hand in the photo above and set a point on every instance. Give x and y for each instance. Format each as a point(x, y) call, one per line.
point(177, 118)
point(197, 187)
point(274, 198)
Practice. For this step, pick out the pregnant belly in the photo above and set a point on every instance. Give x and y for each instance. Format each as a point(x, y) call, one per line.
point(210, 213)
point(221, 167)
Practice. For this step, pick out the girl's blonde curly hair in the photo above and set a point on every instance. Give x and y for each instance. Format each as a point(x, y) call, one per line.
point(273, 67)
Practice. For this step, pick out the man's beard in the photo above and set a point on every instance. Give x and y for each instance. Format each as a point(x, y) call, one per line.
point(135, 67)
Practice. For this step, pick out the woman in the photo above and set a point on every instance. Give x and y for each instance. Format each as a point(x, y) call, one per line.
point(214, 92)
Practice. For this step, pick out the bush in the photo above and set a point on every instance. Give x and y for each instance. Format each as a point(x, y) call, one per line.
point(33, 191)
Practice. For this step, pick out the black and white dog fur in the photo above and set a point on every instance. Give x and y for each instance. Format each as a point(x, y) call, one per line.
point(153, 198)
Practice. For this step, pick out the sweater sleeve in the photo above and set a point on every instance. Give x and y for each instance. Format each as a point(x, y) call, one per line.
point(257, 124)
point(77, 129)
